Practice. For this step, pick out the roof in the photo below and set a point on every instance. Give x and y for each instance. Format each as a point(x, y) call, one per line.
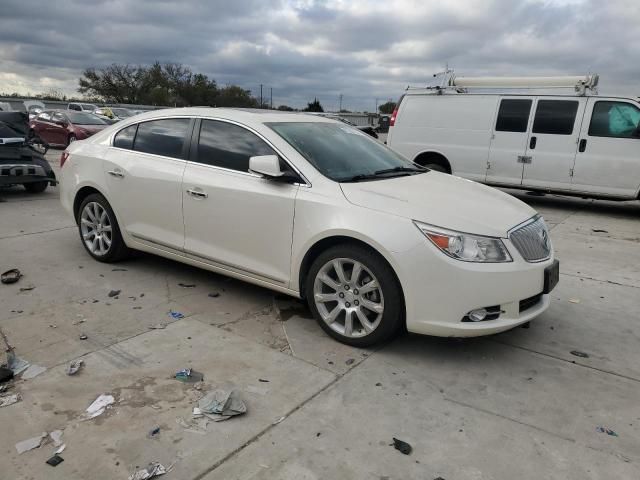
point(238, 114)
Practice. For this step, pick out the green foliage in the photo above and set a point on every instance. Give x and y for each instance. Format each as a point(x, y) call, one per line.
point(314, 106)
point(169, 84)
point(285, 108)
point(387, 108)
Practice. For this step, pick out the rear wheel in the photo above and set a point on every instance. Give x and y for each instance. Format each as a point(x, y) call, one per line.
point(36, 187)
point(355, 296)
point(72, 138)
point(99, 230)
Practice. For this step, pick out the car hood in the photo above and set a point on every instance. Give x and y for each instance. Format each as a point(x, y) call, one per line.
point(442, 200)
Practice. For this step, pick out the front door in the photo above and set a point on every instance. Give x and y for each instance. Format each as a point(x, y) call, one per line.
point(552, 145)
point(234, 219)
point(509, 141)
point(143, 171)
point(608, 159)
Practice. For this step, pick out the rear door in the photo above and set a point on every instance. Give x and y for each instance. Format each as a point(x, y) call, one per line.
point(608, 159)
point(553, 143)
point(233, 218)
point(509, 141)
point(143, 171)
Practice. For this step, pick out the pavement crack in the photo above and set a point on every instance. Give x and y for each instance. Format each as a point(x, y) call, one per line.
point(36, 233)
point(599, 280)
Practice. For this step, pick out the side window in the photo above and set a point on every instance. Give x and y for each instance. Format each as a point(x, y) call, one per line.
point(162, 137)
point(555, 117)
point(57, 117)
point(75, 107)
point(614, 119)
point(45, 117)
point(227, 145)
point(124, 138)
point(513, 115)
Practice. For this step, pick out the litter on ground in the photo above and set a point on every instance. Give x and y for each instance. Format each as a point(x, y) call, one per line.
point(74, 367)
point(55, 460)
point(33, 371)
point(6, 400)
point(176, 315)
point(10, 276)
point(30, 444)
point(189, 375)
point(220, 405)
point(402, 446)
point(154, 469)
point(99, 405)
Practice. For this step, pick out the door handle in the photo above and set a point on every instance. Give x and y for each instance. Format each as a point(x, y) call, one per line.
point(582, 146)
point(525, 159)
point(116, 173)
point(532, 143)
point(197, 193)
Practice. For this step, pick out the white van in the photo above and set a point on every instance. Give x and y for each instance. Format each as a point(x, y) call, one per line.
point(578, 144)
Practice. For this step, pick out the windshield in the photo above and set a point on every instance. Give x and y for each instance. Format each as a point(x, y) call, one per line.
point(341, 152)
point(122, 112)
point(80, 118)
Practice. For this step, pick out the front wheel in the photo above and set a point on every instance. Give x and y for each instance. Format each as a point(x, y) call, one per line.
point(355, 296)
point(36, 187)
point(99, 230)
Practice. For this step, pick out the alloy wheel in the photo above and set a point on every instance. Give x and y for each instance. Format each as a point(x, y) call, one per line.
point(348, 297)
point(96, 228)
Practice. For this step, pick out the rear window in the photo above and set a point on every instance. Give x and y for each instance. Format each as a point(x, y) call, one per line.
point(513, 115)
point(555, 117)
point(124, 138)
point(83, 118)
point(165, 137)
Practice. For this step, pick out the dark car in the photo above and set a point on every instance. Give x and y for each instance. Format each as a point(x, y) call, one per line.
point(61, 127)
point(20, 162)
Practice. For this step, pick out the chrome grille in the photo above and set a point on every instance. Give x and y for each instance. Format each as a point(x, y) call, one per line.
point(532, 240)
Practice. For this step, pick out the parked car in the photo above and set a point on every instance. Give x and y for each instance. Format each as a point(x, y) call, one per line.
point(312, 208)
point(82, 107)
point(104, 112)
point(368, 129)
point(573, 144)
point(33, 107)
point(20, 162)
point(61, 127)
point(122, 113)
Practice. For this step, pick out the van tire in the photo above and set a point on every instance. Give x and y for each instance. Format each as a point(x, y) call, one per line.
point(433, 161)
point(436, 167)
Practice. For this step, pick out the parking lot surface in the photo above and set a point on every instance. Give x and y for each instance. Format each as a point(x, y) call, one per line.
point(559, 399)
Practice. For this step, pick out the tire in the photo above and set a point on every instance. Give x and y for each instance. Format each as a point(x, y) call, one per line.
point(346, 299)
point(436, 166)
point(72, 138)
point(35, 187)
point(109, 246)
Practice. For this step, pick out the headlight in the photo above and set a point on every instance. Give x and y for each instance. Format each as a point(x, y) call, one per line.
point(466, 247)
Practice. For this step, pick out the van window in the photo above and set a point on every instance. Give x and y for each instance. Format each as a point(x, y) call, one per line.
point(513, 115)
point(614, 119)
point(162, 137)
point(556, 117)
point(124, 138)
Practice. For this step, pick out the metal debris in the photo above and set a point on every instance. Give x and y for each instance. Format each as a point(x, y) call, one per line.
point(74, 367)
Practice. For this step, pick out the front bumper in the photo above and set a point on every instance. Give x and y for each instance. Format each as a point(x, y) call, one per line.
point(441, 291)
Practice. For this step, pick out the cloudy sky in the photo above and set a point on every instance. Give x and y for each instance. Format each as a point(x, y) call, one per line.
point(304, 48)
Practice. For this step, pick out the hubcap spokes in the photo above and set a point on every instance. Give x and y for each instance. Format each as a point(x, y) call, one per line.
point(96, 229)
point(348, 297)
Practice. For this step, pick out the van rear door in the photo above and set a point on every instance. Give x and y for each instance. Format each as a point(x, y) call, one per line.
point(553, 142)
point(509, 140)
point(609, 148)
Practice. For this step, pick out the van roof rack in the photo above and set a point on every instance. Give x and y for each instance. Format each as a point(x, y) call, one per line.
point(447, 81)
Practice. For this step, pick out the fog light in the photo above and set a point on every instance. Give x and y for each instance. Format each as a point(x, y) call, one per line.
point(477, 315)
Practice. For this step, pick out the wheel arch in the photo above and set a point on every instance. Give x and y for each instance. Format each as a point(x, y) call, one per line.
point(79, 197)
point(433, 156)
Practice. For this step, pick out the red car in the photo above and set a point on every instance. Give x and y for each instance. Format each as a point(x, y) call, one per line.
point(60, 128)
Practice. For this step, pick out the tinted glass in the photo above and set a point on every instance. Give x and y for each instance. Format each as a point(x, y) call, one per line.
point(229, 146)
point(513, 115)
point(44, 116)
point(162, 137)
point(124, 138)
point(339, 151)
point(614, 119)
point(555, 117)
point(83, 118)
point(58, 117)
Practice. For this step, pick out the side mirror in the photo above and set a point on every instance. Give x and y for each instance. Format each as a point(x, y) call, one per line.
point(267, 165)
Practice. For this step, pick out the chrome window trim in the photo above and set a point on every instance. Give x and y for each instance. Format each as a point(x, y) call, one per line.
point(306, 183)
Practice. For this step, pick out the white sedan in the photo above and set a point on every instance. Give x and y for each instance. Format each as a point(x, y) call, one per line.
point(312, 208)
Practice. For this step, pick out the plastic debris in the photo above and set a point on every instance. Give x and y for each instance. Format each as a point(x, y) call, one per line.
point(189, 375)
point(27, 288)
point(99, 405)
point(33, 371)
point(83, 337)
point(74, 367)
point(7, 400)
point(578, 353)
point(114, 293)
point(30, 444)
point(220, 405)
point(154, 469)
point(599, 230)
point(6, 374)
point(574, 300)
point(263, 380)
point(606, 430)
point(176, 315)
point(157, 326)
point(402, 446)
point(61, 449)
point(56, 437)
point(55, 460)
point(187, 285)
point(10, 276)
point(154, 432)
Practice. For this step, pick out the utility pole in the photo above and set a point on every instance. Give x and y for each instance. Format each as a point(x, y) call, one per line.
point(260, 95)
point(376, 110)
point(271, 98)
point(340, 108)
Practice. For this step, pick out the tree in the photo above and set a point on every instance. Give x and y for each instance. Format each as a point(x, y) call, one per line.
point(285, 108)
point(234, 96)
point(387, 108)
point(314, 106)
